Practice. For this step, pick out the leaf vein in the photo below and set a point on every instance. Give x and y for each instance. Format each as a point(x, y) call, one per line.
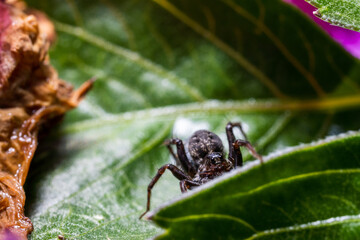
point(131, 56)
point(223, 46)
point(145, 148)
point(119, 16)
point(310, 78)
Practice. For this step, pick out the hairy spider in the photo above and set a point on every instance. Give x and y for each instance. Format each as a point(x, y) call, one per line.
point(208, 159)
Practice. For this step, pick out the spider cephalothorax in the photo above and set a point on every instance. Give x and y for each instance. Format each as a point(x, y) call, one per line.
point(208, 158)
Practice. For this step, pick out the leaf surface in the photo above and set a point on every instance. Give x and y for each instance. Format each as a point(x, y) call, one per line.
point(160, 75)
point(295, 194)
point(343, 13)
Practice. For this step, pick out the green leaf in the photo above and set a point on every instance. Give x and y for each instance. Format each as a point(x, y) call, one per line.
point(168, 68)
point(343, 13)
point(297, 194)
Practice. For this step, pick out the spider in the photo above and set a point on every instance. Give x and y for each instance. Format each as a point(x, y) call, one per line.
point(208, 159)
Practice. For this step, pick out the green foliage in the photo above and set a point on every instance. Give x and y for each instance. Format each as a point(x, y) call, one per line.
point(167, 68)
point(343, 13)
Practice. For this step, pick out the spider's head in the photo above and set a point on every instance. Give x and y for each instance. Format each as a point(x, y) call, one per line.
point(202, 143)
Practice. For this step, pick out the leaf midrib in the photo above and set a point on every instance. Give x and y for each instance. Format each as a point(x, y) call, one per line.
point(217, 107)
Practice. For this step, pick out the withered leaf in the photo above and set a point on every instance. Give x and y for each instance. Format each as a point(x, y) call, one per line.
point(31, 94)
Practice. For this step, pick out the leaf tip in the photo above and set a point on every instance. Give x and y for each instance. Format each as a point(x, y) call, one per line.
point(317, 13)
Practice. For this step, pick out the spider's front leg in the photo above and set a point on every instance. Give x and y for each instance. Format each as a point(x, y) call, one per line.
point(174, 170)
point(241, 143)
point(181, 157)
point(235, 155)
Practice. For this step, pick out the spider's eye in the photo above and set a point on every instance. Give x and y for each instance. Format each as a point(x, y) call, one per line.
point(215, 158)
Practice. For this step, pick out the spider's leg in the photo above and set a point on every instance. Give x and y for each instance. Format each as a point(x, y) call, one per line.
point(235, 155)
point(186, 184)
point(188, 167)
point(174, 170)
point(242, 143)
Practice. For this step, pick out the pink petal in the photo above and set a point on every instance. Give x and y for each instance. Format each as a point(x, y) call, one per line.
point(4, 17)
point(5, 21)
